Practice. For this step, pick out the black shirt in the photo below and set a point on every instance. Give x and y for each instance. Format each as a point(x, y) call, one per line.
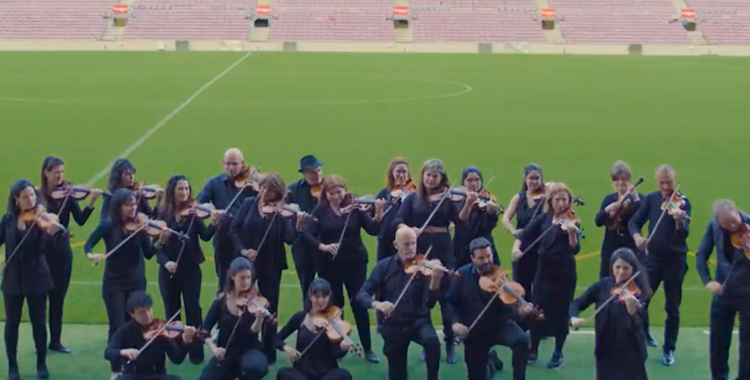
point(321, 358)
point(669, 238)
point(152, 360)
point(192, 254)
point(27, 272)
point(328, 231)
point(125, 269)
point(244, 338)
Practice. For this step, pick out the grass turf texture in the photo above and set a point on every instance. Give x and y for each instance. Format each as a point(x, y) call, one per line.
point(575, 115)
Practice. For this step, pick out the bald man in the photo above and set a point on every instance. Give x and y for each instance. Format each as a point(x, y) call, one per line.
point(409, 321)
point(666, 252)
point(221, 190)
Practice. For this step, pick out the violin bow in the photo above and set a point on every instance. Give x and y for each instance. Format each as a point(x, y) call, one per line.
point(411, 279)
point(247, 183)
point(612, 297)
point(319, 334)
point(346, 225)
point(15, 250)
point(444, 197)
point(108, 254)
point(658, 221)
point(182, 247)
point(158, 332)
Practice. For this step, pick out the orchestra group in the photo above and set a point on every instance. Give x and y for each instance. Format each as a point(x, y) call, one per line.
point(434, 247)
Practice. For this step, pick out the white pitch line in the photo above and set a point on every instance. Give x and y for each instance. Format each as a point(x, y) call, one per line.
point(165, 120)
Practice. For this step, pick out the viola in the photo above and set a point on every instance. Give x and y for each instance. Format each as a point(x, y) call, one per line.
point(200, 211)
point(252, 302)
point(418, 264)
point(250, 177)
point(624, 201)
point(147, 192)
point(173, 330)
point(510, 292)
point(621, 292)
point(335, 328)
point(41, 218)
point(741, 239)
point(77, 192)
point(152, 227)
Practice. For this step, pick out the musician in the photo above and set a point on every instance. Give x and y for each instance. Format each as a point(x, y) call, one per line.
point(125, 269)
point(407, 319)
point(242, 356)
point(224, 194)
point(61, 262)
point(397, 179)
point(343, 261)
point(730, 286)
point(495, 327)
point(306, 194)
point(666, 249)
point(26, 274)
point(416, 210)
point(481, 222)
point(129, 340)
point(180, 275)
point(122, 175)
point(620, 347)
point(257, 223)
point(314, 357)
point(556, 233)
point(526, 206)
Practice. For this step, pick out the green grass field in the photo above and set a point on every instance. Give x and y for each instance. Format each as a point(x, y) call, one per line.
point(575, 115)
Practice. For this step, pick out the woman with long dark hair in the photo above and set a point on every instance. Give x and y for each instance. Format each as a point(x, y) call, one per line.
point(242, 356)
point(259, 233)
point(481, 222)
point(620, 347)
point(320, 361)
point(61, 262)
point(397, 180)
point(125, 268)
point(26, 273)
point(122, 175)
point(343, 260)
point(180, 275)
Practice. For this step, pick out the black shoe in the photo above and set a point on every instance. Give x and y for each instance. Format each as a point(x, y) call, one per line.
point(490, 372)
point(557, 361)
point(495, 361)
point(668, 358)
point(41, 372)
point(650, 340)
point(60, 348)
point(450, 353)
point(196, 359)
point(533, 357)
point(423, 356)
point(371, 357)
point(13, 373)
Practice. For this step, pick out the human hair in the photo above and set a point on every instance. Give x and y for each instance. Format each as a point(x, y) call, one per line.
point(15, 191)
point(168, 206)
point(664, 169)
point(329, 183)
point(390, 182)
point(138, 300)
point(238, 265)
point(723, 206)
point(119, 198)
point(627, 255)
point(554, 189)
point(275, 184)
point(479, 243)
point(619, 169)
point(320, 288)
point(50, 162)
point(527, 170)
point(431, 165)
point(115, 174)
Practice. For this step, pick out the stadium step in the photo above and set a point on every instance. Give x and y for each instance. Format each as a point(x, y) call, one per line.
point(697, 37)
point(259, 34)
point(553, 36)
point(114, 33)
point(402, 32)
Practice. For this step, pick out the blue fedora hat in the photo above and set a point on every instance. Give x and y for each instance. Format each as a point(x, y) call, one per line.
point(309, 162)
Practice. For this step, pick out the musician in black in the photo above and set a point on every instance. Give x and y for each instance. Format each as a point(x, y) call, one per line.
point(122, 176)
point(666, 250)
point(126, 344)
point(495, 326)
point(407, 319)
point(730, 286)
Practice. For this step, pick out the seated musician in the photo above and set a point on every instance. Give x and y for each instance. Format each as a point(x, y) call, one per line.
point(129, 340)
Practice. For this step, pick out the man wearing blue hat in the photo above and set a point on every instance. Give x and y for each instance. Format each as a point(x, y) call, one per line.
point(305, 193)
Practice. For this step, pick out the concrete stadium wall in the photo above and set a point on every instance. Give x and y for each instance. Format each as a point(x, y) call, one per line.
point(493, 48)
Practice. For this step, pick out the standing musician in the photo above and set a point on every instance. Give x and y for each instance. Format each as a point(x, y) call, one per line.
point(480, 332)
point(418, 207)
point(666, 249)
point(125, 269)
point(130, 339)
point(620, 347)
point(730, 285)
point(180, 275)
point(61, 262)
point(556, 235)
point(238, 352)
point(482, 220)
point(342, 257)
point(221, 190)
point(406, 303)
point(316, 354)
point(30, 235)
point(306, 194)
point(122, 175)
point(398, 184)
point(526, 206)
point(615, 213)
point(259, 234)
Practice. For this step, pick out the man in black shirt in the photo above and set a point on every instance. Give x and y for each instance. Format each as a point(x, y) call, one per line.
point(730, 286)
point(407, 319)
point(495, 327)
point(148, 364)
point(666, 250)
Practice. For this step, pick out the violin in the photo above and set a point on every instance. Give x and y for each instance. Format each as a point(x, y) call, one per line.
point(173, 330)
point(510, 292)
point(569, 219)
point(252, 302)
point(200, 211)
point(624, 201)
point(147, 192)
point(673, 203)
point(741, 239)
point(41, 217)
point(484, 198)
point(292, 210)
point(621, 292)
point(150, 226)
point(77, 192)
point(249, 176)
point(418, 264)
point(316, 191)
point(336, 329)
point(401, 191)
point(352, 202)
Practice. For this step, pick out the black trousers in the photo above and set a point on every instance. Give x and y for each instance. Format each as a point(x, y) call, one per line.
point(672, 274)
point(149, 377)
point(304, 265)
point(269, 285)
point(742, 305)
point(524, 271)
point(396, 341)
point(252, 365)
point(224, 254)
point(723, 315)
point(351, 275)
point(13, 310)
point(184, 285)
point(60, 270)
point(287, 373)
point(117, 315)
point(507, 334)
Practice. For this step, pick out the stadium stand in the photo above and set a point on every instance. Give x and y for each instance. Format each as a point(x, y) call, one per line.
point(54, 19)
point(724, 21)
point(190, 19)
